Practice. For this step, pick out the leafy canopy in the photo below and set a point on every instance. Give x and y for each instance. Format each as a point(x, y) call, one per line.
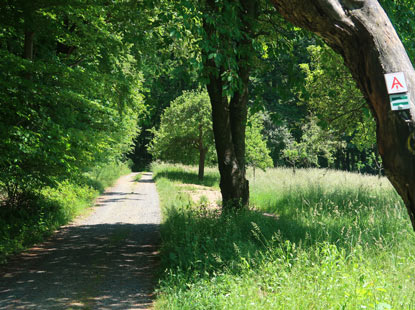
point(185, 129)
point(331, 94)
point(315, 143)
point(257, 152)
point(73, 102)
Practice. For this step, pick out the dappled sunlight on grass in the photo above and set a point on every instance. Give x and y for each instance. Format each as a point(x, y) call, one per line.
point(336, 240)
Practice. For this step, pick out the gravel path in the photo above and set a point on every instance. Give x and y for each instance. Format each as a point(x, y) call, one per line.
point(103, 261)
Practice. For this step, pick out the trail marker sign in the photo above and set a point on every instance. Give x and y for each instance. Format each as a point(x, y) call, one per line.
point(399, 101)
point(395, 83)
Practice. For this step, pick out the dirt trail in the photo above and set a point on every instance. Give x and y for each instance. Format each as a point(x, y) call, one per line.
point(104, 261)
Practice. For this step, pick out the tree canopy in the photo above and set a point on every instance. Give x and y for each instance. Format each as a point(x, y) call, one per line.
point(83, 81)
point(185, 134)
point(257, 152)
point(71, 91)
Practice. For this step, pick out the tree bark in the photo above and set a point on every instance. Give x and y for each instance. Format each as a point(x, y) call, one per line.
point(361, 32)
point(229, 115)
point(202, 154)
point(28, 45)
point(227, 129)
point(29, 34)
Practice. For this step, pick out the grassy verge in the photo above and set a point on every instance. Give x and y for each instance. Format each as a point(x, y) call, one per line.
point(185, 174)
point(51, 208)
point(336, 241)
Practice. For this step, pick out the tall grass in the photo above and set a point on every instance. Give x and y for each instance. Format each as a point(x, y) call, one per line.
point(51, 208)
point(335, 241)
point(343, 208)
point(185, 174)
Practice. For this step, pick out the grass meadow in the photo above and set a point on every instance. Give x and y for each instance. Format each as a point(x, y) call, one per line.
point(316, 239)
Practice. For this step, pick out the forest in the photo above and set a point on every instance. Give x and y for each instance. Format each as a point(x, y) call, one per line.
point(92, 89)
point(85, 84)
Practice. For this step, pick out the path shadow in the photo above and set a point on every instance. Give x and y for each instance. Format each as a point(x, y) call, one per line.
point(145, 181)
point(107, 266)
point(121, 197)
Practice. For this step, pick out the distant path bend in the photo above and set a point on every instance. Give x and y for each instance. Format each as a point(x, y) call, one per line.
point(104, 261)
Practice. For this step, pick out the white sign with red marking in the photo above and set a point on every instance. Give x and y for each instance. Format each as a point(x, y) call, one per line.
point(395, 82)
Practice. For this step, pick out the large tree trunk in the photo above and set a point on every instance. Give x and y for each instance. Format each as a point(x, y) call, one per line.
point(229, 115)
point(229, 133)
point(361, 32)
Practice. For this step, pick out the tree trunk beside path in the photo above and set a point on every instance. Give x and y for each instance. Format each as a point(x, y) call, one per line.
point(361, 32)
point(229, 113)
point(103, 261)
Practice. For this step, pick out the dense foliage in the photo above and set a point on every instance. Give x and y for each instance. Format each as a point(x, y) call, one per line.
point(278, 85)
point(331, 93)
point(70, 92)
point(257, 152)
point(185, 134)
point(82, 81)
point(315, 144)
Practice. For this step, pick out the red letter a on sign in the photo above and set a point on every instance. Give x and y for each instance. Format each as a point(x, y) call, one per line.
point(396, 83)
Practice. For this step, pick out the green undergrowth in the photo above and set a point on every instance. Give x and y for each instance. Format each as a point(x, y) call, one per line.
point(316, 239)
point(186, 174)
point(21, 227)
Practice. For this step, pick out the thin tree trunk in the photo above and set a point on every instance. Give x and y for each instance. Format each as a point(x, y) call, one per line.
point(28, 9)
point(361, 32)
point(28, 36)
point(28, 45)
point(202, 156)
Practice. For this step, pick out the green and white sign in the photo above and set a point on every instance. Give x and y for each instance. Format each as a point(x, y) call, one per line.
point(400, 101)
